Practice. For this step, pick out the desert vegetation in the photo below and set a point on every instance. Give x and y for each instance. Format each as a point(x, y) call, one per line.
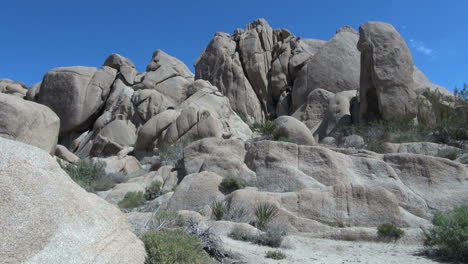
point(448, 238)
point(275, 254)
point(90, 175)
point(173, 246)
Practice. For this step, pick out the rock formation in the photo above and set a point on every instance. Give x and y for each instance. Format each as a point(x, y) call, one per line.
point(48, 218)
point(265, 109)
point(387, 86)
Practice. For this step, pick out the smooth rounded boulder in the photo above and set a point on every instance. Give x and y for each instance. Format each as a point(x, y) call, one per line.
point(47, 218)
point(28, 122)
point(294, 130)
point(76, 94)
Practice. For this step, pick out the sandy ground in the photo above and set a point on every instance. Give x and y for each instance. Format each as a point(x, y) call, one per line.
point(311, 250)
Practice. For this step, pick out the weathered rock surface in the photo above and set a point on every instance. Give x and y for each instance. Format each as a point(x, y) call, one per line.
point(196, 192)
point(335, 68)
point(28, 122)
point(167, 75)
point(123, 65)
point(314, 110)
point(294, 130)
point(220, 64)
point(76, 94)
point(387, 86)
point(223, 157)
point(60, 222)
point(338, 114)
point(13, 88)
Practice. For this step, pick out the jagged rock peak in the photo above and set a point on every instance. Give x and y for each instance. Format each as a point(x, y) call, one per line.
point(347, 29)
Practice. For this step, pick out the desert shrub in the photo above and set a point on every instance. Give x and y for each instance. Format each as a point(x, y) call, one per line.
point(170, 154)
point(450, 116)
point(239, 233)
point(119, 177)
point(390, 231)
point(232, 183)
point(173, 246)
point(266, 128)
point(243, 117)
point(237, 213)
point(450, 154)
point(273, 235)
point(449, 234)
point(284, 139)
point(163, 219)
point(275, 254)
point(218, 209)
point(153, 191)
point(90, 175)
point(132, 200)
point(265, 212)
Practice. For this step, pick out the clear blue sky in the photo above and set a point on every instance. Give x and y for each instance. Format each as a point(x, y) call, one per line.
point(40, 35)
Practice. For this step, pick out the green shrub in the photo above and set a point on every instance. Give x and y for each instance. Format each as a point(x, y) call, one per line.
point(273, 235)
point(173, 246)
point(237, 213)
point(275, 254)
point(390, 231)
point(132, 200)
point(218, 208)
point(449, 234)
point(153, 191)
point(170, 154)
point(265, 212)
point(239, 233)
point(162, 219)
point(266, 128)
point(90, 175)
point(450, 154)
point(284, 139)
point(232, 183)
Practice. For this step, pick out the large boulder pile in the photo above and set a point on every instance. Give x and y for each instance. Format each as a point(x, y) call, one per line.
point(190, 137)
point(48, 218)
point(269, 72)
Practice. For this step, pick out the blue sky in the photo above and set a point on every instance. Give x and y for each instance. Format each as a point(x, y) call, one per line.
point(40, 35)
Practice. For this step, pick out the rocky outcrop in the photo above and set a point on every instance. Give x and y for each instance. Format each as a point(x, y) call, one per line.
point(223, 157)
point(387, 87)
point(317, 187)
point(256, 68)
point(64, 223)
point(196, 192)
point(76, 94)
point(123, 65)
point(167, 75)
point(338, 114)
point(16, 88)
point(28, 122)
point(314, 110)
point(221, 65)
point(335, 67)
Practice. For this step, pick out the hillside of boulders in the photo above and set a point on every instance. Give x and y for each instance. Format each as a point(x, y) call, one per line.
point(274, 141)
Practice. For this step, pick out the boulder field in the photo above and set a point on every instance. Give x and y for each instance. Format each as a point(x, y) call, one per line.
point(263, 106)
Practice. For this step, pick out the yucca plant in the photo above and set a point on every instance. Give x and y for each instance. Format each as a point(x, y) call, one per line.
point(218, 208)
point(265, 212)
point(266, 128)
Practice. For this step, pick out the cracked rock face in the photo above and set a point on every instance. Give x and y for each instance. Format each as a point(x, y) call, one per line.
point(276, 67)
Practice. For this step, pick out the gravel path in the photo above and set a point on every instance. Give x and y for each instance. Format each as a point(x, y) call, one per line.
point(310, 250)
